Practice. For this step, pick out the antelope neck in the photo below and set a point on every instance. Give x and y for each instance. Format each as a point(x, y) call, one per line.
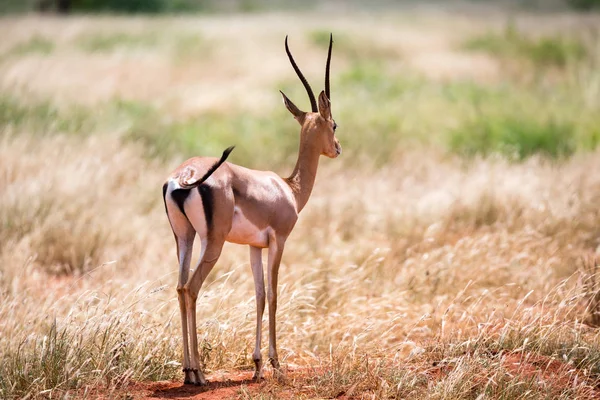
point(303, 176)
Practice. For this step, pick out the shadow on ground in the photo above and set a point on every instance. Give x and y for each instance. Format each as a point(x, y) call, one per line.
point(217, 388)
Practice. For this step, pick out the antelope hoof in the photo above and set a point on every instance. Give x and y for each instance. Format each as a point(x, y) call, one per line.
point(257, 370)
point(188, 376)
point(275, 363)
point(200, 380)
point(258, 376)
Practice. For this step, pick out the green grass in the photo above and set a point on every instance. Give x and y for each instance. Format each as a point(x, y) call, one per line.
point(356, 48)
point(514, 136)
point(261, 142)
point(557, 51)
point(378, 115)
point(110, 42)
point(379, 111)
point(35, 45)
point(40, 117)
point(383, 112)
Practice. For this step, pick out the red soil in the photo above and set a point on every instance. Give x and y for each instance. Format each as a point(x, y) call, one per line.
point(220, 386)
point(549, 371)
point(553, 374)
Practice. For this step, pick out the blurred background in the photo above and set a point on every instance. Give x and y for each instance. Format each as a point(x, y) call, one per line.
point(182, 6)
point(461, 223)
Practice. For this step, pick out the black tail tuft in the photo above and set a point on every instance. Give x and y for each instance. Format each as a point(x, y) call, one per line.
point(226, 153)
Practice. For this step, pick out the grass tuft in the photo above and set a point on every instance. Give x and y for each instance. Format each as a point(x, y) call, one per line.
point(103, 353)
point(516, 137)
point(557, 51)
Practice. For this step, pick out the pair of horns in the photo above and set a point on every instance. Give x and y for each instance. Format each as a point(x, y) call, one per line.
point(311, 95)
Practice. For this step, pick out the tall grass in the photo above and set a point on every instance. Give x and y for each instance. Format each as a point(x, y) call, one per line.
point(107, 349)
point(421, 272)
point(441, 256)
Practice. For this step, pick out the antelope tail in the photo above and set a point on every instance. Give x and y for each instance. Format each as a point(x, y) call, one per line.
point(211, 170)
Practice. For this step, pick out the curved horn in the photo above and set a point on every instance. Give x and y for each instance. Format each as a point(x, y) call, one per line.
point(327, 92)
point(311, 95)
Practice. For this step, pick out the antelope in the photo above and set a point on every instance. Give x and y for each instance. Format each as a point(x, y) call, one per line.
point(220, 201)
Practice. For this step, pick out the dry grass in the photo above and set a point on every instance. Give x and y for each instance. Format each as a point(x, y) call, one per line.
point(418, 275)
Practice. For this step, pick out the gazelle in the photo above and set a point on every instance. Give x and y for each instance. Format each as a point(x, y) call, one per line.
point(221, 202)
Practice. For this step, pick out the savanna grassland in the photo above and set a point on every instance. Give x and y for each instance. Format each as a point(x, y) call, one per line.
point(450, 252)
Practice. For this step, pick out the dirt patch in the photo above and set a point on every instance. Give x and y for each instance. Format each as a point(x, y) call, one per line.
point(220, 386)
point(549, 371)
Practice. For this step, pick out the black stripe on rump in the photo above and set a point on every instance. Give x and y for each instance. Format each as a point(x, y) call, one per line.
point(179, 196)
point(165, 197)
point(206, 194)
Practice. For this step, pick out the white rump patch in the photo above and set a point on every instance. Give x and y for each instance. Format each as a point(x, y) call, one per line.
point(194, 210)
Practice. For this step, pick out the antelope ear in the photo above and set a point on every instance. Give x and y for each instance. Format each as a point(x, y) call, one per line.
point(324, 106)
point(296, 112)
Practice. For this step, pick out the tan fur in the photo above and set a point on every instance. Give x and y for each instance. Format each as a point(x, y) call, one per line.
point(257, 208)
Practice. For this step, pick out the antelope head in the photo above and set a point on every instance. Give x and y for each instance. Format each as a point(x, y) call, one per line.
point(318, 126)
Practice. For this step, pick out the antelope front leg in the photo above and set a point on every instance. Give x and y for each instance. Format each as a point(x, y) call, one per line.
point(259, 288)
point(276, 245)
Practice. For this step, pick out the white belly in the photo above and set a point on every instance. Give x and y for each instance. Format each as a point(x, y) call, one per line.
point(244, 232)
